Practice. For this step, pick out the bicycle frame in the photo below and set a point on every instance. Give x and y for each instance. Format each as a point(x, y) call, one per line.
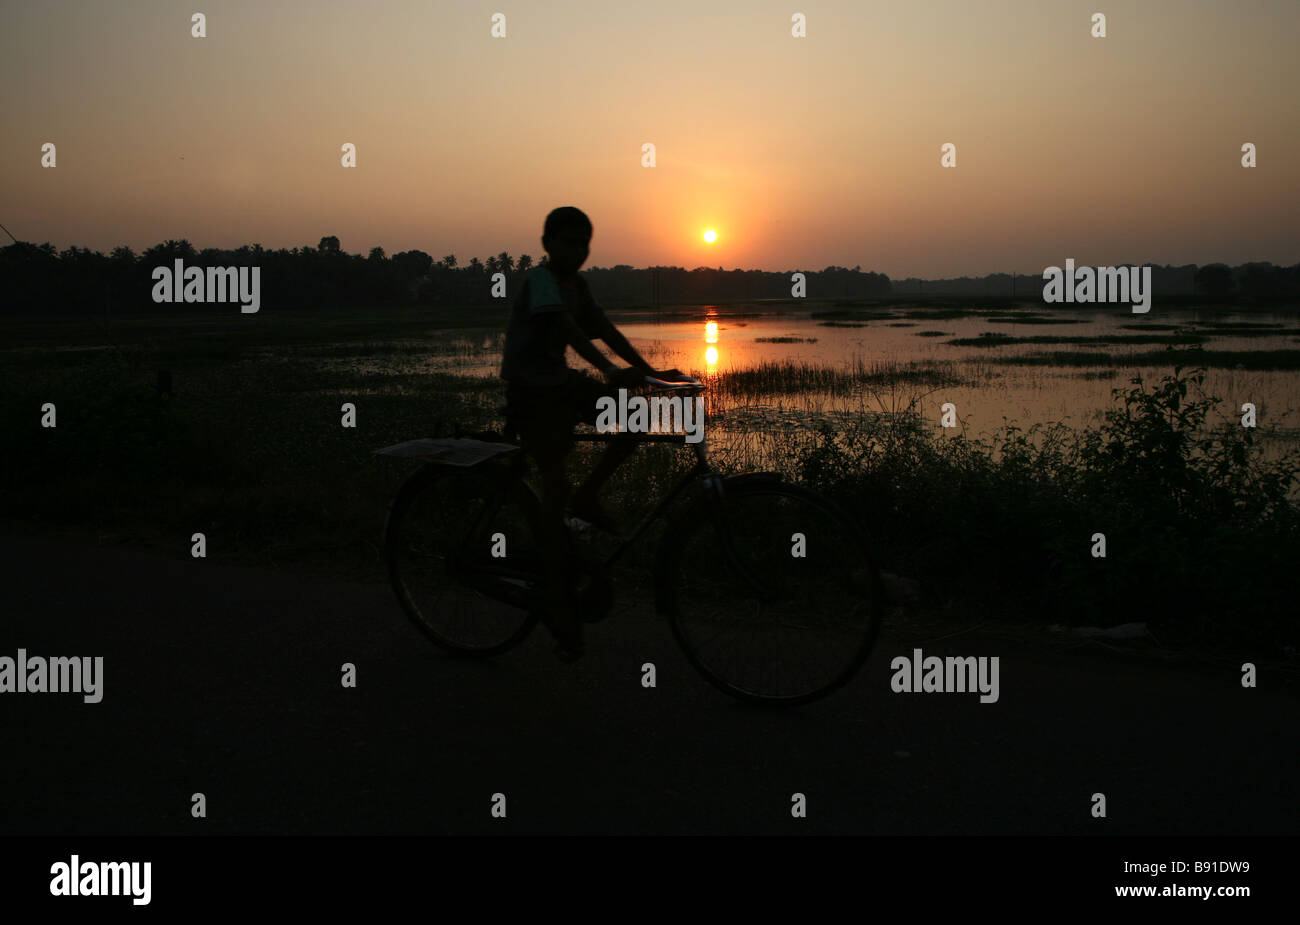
point(701, 471)
point(713, 521)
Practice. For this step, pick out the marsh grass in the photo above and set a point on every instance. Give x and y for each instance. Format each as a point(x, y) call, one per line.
point(1098, 340)
point(1242, 330)
point(1242, 325)
point(1211, 359)
point(1034, 319)
point(935, 314)
point(1007, 524)
point(788, 377)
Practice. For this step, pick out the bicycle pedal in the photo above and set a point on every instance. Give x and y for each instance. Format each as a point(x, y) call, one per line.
point(586, 529)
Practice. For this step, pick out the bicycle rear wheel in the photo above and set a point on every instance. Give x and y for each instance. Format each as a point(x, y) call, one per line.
point(771, 592)
point(461, 556)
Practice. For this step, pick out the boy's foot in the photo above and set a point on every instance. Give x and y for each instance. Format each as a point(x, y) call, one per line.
point(568, 651)
point(567, 630)
point(589, 509)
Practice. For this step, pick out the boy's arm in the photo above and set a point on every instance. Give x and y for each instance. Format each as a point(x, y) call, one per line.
point(577, 338)
point(620, 345)
point(593, 324)
point(596, 324)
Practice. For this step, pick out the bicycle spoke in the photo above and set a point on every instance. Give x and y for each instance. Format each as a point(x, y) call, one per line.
point(766, 601)
point(443, 538)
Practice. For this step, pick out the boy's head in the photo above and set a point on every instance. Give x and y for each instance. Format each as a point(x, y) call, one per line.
point(566, 237)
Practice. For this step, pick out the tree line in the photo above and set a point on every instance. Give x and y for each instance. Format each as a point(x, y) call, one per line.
point(1215, 282)
point(78, 280)
point(38, 278)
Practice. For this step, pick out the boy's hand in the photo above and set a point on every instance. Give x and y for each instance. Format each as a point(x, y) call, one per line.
point(625, 377)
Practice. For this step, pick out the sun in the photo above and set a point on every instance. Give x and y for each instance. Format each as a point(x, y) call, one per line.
point(710, 236)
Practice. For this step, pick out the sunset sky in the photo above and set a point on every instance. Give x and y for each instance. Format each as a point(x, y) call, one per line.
point(799, 152)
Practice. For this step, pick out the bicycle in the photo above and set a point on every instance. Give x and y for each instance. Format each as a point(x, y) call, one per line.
point(749, 562)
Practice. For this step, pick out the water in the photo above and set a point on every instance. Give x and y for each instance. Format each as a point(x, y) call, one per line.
point(1025, 395)
point(987, 394)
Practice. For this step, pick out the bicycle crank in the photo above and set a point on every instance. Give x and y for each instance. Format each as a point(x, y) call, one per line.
point(593, 590)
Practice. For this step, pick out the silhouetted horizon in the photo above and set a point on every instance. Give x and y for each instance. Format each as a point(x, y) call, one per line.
point(36, 276)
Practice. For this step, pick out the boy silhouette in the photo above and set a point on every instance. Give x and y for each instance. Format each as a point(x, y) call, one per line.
point(545, 398)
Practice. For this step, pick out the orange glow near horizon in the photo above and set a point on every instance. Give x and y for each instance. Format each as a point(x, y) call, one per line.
point(758, 162)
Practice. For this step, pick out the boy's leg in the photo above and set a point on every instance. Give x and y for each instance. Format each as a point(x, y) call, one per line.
point(588, 392)
point(615, 453)
point(562, 616)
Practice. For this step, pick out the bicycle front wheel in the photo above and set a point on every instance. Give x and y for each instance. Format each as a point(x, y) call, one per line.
point(461, 556)
point(771, 592)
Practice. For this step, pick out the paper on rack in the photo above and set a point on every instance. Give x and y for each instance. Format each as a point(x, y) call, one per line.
point(448, 451)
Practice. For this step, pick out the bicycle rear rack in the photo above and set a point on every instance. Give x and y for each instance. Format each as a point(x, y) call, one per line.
point(449, 451)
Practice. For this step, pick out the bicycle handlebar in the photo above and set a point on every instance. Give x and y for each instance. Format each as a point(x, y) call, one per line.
point(687, 383)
